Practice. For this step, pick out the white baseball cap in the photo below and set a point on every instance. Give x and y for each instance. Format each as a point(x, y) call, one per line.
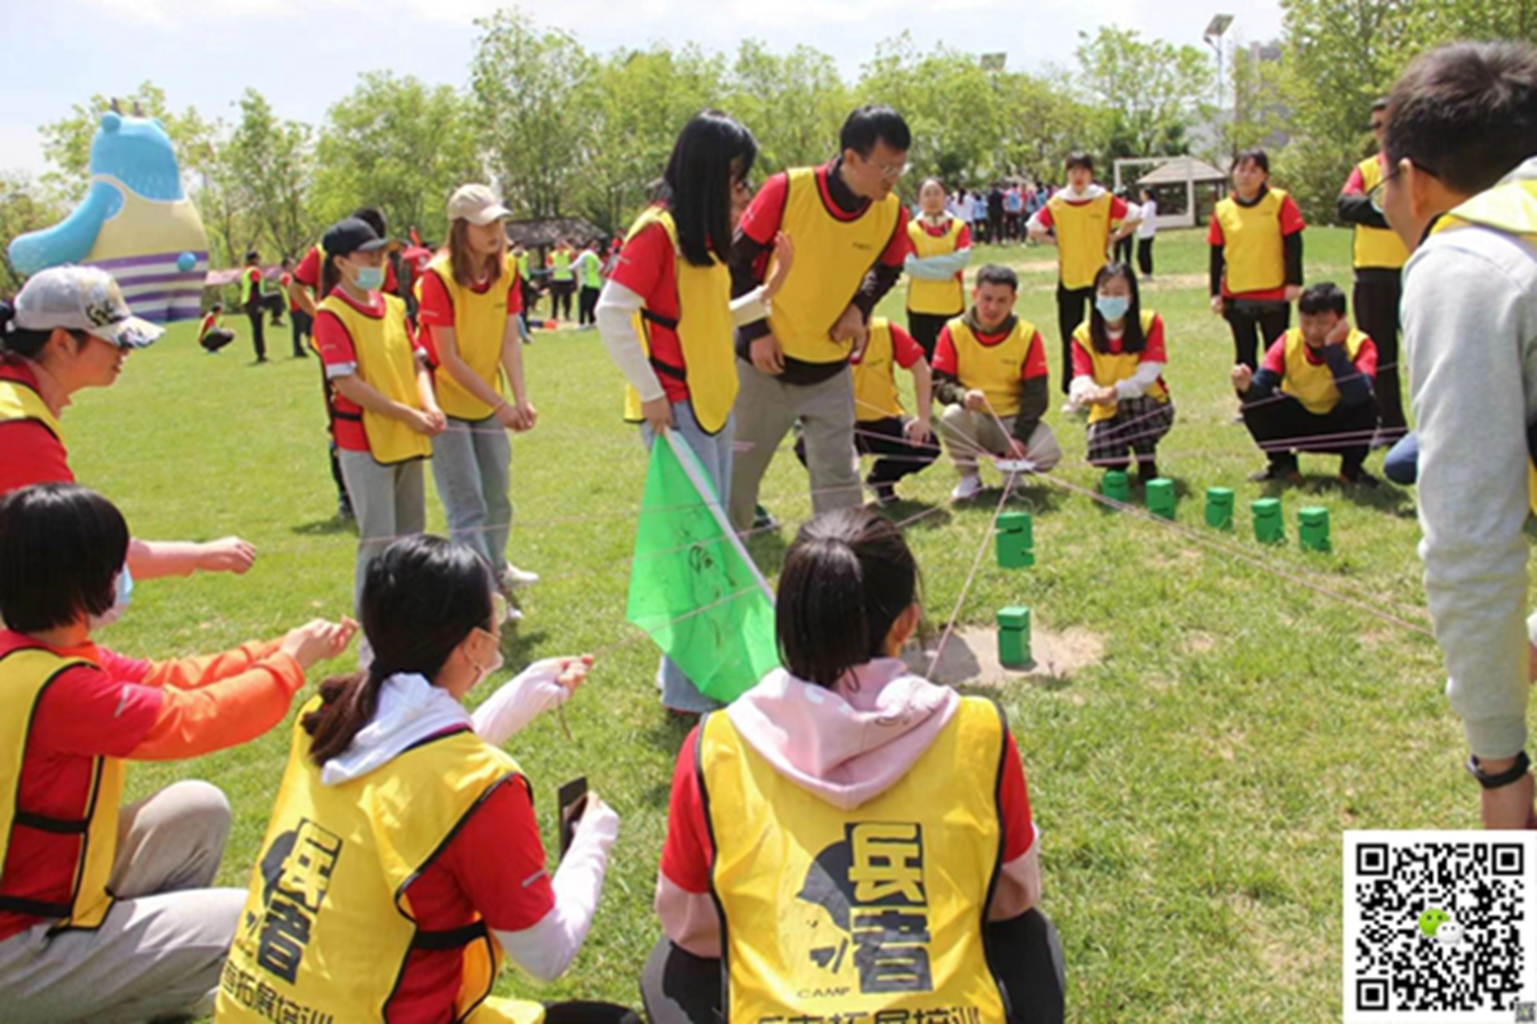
point(476, 204)
point(81, 299)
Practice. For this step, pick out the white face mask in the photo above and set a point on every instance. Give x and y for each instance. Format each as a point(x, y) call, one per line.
point(123, 593)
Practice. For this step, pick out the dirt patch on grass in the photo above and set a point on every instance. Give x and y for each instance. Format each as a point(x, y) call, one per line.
point(970, 657)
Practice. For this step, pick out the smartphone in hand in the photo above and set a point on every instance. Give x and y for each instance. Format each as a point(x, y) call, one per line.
point(573, 802)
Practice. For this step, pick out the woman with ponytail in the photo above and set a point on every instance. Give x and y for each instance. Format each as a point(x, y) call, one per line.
point(403, 859)
point(848, 838)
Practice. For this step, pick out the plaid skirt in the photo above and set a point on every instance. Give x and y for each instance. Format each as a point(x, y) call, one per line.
point(1138, 425)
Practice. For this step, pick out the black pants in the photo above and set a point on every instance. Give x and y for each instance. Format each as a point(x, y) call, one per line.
point(886, 438)
point(342, 497)
point(1072, 310)
point(587, 305)
point(925, 328)
point(303, 327)
point(1282, 427)
point(1377, 294)
point(1123, 250)
point(253, 312)
point(1024, 952)
point(276, 302)
point(588, 1013)
point(217, 339)
point(1145, 256)
point(560, 299)
point(1255, 324)
point(530, 299)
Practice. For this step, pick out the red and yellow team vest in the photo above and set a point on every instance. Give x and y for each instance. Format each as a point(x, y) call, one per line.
point(327, 926)
point(832, 257)
point(935, 298)
point(704, 332)
point(993, 369)
point(387, 362)
point(829, 914)
point(24, 675)
point(480, 321)
point(1083, 235)
point(1112, 368)
point(875, 386)
point(1376, 247)
point(20, 402)
point(1512, 209)
point(1253, 247)
point(1313, 384)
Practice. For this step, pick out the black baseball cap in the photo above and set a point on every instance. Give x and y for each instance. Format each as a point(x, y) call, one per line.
point(351, 235)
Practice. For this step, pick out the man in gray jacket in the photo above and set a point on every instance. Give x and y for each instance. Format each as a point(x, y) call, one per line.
point(1461, 191)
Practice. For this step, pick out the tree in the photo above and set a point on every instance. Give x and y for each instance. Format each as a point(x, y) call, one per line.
point(269, 164)
point(1042, 122)
point(67, 142)
point(794, 104)
point(24, 206)
point(535, 100)
point(397, 144)
point(1150, 92)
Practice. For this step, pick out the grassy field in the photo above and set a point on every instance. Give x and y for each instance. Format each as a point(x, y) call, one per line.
point(1191, 787)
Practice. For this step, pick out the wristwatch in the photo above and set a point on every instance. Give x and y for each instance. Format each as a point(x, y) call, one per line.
point(1504, 778)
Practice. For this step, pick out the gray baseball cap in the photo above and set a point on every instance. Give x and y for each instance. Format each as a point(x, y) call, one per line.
point(82, 299)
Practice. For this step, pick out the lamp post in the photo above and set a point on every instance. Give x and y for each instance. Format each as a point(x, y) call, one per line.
point(1213, 36)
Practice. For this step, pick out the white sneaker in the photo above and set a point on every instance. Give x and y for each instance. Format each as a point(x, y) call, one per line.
point(969, 487)
point(514, 613)
point(512, 576)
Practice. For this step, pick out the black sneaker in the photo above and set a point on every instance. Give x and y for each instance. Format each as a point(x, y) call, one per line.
point(1277, 472)
point(763, 519)
point(344, 509)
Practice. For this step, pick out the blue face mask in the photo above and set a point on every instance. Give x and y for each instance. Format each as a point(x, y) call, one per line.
point(123, 593)
point(370, 279)
point(1112, 307)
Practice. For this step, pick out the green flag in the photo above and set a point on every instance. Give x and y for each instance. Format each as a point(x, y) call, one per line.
point(693, 587)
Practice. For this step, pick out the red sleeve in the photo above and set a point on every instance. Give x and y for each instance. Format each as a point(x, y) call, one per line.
point(1214, 232)
point(125, 669)
point(391, 282)
point(89, 713)
point(766, 212)
point(1118, 209)
point(1275, 358)
point(641, 261)
point(514, 290)
point(1044, 218)
point(1155, 351)
point(1035, 362)
point(963, 238)
point(1355, 185)
point(498, 860)
point(31, 455)
point(687, 851)
point(307, 272)
point(333, 341)
point(1366, 359)
point(908, 352)
point(900, 245)
point(944, 353)
point(1014, 804)
point(1083, 364)
point(436, 307)
point(1291, 217)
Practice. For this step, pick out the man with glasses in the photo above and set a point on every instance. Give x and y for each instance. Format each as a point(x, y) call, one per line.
point(851, 242)
point(1379, 257)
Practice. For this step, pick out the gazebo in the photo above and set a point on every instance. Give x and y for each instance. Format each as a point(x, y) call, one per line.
point(1177, 178)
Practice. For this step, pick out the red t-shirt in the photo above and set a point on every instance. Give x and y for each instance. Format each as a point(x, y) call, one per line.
point(337, 350)
point(687, 852)
point(437, 309)
point(946, 361)
point(1291, 223)
point(85, 713)
point(29, 453)
point(765, 214)
point(1154, 351)
point(648, 266)
point(307, 272)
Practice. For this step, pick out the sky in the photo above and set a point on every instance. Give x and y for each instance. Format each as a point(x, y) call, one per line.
point(304, 55)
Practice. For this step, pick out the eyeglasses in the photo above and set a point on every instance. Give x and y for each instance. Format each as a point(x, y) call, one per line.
point(1375, 195)
point(891, 172)
point(1377, 126)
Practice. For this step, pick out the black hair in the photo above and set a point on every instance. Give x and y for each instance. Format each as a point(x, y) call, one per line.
point(871, 124)
point(994, 273)
point(1259, 156)
point(217, 307)
point(1323, 297)
point(372, 217)
point(421, 598)
point(27, 342)
point(846, 579)
point(1083, 160)
point(1132, 338)
point(1466, 113)
point(1148, 193)
point(713, 153)
point(61, 549)
point(252, 256)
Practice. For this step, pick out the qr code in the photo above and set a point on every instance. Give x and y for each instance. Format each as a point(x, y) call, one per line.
point(1439, 927)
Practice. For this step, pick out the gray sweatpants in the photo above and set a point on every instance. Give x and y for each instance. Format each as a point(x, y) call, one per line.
point(163, 943)
point(969, 434)
point(389, 502)
point(470, 463)
point(766, 409)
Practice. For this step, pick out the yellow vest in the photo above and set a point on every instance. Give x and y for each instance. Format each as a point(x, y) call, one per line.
point(560, 263)
point(875, 386)
point(146, 227)
point(880, 908)
point(1083, 235)
point(993, 369)
point(704, 331)
point(1313, 385)
point(19, 402)
point(387, 362)
point(1112, 368)
point(247, 286)
point(1377, 247)
point(831, 259)
point(327, 925)
point(1252, 243)
point(24, 675)
point(480, 320)
point(935, 298)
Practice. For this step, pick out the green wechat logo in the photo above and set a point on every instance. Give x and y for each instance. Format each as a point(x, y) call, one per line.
point(1437, 924)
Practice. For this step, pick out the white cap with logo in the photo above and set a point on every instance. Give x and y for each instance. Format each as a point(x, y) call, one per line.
point(81, 299)
point(476, 204)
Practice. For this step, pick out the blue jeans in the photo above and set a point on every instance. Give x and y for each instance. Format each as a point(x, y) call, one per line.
point(714, 453)
point(470, 462)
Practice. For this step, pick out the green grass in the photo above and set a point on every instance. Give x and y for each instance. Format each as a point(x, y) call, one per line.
point(1190, 789)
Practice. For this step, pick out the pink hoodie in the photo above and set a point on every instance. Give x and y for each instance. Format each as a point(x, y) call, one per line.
point(847, 745)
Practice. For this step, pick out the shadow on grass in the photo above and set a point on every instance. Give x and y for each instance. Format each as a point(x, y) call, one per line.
point(326, 527)
point(517, 643)
point(666, 730)
point(768, 550)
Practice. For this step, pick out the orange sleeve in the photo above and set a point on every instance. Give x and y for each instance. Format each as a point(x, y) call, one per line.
point(222, 712)
point(194, 673)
